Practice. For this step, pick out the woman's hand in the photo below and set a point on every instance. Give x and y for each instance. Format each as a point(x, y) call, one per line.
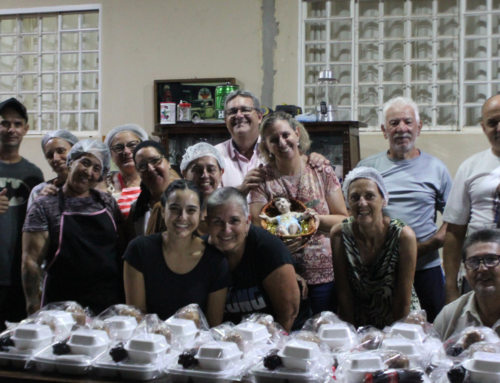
point(312, 213)
point(49, 190)
point(294, 245)
point(303, 284)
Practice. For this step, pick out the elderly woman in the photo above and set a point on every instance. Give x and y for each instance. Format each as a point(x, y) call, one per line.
point(124, 184)
point(261, 266)
point(284, 142)
point(374, 256)
point(203, 165)
point(154, 169)
point(166, 271)
point(76, 232)
point(56, 146)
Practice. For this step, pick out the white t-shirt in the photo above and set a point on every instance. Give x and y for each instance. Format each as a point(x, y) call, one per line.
point(473, 194)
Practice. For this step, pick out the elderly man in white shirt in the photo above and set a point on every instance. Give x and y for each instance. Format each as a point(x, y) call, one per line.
point(480, 307)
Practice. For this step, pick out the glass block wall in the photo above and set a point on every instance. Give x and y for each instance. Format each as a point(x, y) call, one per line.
point(50, 62)
point(441, 53)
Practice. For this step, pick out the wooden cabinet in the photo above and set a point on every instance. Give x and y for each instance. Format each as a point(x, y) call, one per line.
point(338, 141)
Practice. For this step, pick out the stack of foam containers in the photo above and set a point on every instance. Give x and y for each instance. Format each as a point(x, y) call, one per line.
point(30, 339)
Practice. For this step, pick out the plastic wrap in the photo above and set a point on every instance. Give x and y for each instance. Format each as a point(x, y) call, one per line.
point(193, 312)
point(119, 321)
point(462, 340)
point(355, 367)
point(75, 356)
point(248, 336)
point(146, 355)
point(278, 333)
point(370, 338)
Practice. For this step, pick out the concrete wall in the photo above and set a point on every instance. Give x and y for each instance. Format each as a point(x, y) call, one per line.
point(146, 40)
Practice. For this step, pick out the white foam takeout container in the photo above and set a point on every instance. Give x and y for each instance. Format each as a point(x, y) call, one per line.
point(107, 368)
point(15, 358)
point(146, 348)
point(32, 337)
point(218, 356)
point(299, 354)
point(282, 375)
point(70, 364)
point(409, 331)
point(404, 346)
point(252, 332)
point(484, 367)
point(89, 342)
point(178, 374)
point(183, 330)
point(123, 326)
point(363, 363)
point(337, 335)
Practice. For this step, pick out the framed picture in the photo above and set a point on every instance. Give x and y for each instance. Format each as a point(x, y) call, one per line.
point(199, 92)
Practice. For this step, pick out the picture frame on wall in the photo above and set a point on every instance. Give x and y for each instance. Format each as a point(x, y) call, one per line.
point(199, 92)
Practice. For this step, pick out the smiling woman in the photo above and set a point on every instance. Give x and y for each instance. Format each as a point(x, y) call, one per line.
point(374, 257)
point(169, 270)
point(84, 268)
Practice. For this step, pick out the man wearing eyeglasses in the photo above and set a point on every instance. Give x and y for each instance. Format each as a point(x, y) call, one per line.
point(17, 177)
point(481, 306)
point(243, 115)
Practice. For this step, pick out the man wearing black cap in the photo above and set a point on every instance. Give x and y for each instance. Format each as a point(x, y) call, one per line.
point(17, 177)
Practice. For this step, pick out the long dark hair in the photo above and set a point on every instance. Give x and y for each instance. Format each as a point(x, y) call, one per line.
point(181, 185)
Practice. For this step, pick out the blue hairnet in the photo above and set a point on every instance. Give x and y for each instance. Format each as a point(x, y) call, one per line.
point(94, 147)
point(368, 173)
point(63, 134)
point(132, 128)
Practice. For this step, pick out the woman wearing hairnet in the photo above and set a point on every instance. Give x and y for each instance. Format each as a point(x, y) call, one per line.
point(76, 232)
point(124, 184)
point(56, 146)
point(374, 256)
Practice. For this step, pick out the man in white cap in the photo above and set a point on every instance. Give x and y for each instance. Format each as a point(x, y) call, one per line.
point(17, 177)
point(418, 185)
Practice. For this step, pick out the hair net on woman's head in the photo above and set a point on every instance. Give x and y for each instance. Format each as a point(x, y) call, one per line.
point(132, 128)
point(199, 150)
point(63, 134)
point(368, 173)
point(94, 147)
point(150, 143)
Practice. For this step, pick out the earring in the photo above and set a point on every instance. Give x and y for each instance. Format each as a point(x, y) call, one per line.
point(298, 144)
point(270, 155)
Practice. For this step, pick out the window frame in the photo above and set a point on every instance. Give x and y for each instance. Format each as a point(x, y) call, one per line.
point(58, 10)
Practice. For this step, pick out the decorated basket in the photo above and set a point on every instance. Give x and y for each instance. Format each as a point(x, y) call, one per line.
point(308, 226)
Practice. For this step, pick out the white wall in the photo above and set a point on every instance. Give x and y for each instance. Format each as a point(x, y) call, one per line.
point(147, 40)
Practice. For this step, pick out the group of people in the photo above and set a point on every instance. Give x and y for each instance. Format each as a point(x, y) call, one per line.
point(157, 240)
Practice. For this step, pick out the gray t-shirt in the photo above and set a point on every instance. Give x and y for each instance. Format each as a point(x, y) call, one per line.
point(418, 188)
point(45, 214)
point(19, 179)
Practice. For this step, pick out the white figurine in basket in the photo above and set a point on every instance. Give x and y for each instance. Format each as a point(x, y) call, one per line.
point(288, 221)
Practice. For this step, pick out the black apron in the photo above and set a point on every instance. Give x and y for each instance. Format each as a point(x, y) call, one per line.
point(85, 268)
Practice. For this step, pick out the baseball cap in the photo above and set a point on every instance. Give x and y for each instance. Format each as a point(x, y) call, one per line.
point(15, 104)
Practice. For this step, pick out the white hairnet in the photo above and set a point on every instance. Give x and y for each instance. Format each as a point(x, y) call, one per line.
point(368, 173)
point(199, 150)
point(132, 128)
point(97, 148)
point(63, 134)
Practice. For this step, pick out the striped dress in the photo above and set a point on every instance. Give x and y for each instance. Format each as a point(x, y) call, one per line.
point(374, 286)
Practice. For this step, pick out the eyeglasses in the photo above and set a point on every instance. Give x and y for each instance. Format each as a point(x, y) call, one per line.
point(490, 260)
point(144, 166)
point(234, 111)
point(120, 148)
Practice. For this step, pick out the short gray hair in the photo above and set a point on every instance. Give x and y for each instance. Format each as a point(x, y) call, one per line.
point(403, 101)
point(242, 93)
point(480, 236)
point(226, 195)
